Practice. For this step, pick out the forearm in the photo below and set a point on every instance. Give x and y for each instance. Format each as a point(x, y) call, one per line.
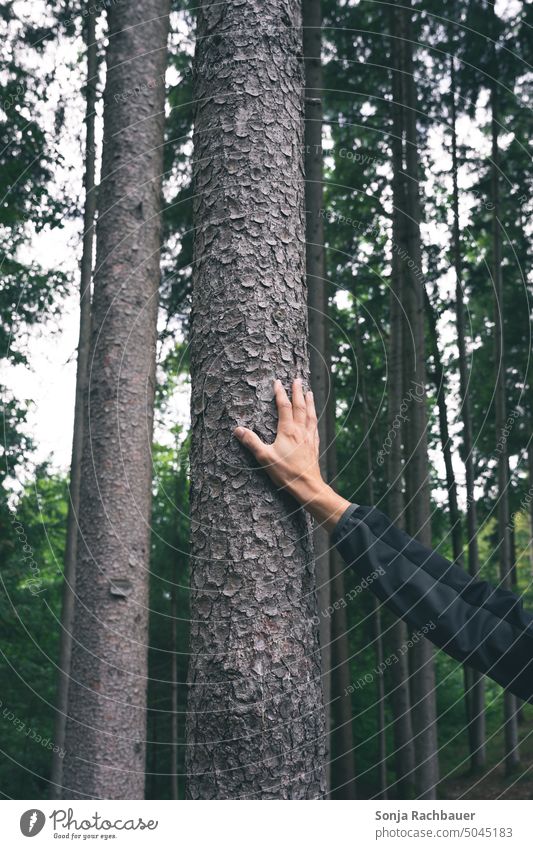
point(472, 621)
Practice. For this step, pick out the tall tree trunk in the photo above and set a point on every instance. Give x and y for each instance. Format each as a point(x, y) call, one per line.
point(343, 769)
point(255, 724)
point(105, 740)
point(474, 680)
point(174, 692)
point(530, 497)
point(404, 752)
point(512, 756)
point(441, 389)
point(376, 604)
point(317, 313)
point(416, 470)
point(174, 683)
point(86, 268)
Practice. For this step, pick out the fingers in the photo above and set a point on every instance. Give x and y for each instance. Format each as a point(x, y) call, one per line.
point(299, 411)
point(283, 404)
point(251, 441)
point(311, 411)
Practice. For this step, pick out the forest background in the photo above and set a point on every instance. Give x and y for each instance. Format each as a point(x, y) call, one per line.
point(397, 95)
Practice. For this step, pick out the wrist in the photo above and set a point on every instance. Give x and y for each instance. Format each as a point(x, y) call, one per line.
point(320, 500)
point(306, 488)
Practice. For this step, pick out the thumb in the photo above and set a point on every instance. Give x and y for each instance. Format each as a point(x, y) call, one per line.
point(250, 440)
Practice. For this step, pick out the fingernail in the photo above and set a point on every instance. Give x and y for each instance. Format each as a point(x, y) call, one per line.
point(238, 431)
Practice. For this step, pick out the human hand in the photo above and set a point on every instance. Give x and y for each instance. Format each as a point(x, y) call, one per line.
point(292, 460)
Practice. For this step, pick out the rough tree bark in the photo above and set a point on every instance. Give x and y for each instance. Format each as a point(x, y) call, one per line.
point(512, 755)
point(255, 722)
point(416, 469)
point(317, 311)
point(474, 680)
point(86, 269)
point(105, 741)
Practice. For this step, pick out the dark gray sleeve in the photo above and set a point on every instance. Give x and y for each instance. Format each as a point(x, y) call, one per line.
point(474, 622)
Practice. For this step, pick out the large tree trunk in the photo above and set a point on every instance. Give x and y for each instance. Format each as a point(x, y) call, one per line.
point(404, 752)
point(416, 470)
point(512, 756)
point(317, 312)
point(255, 726)
point(105, 743)
point(71, 550)
point(474, 680)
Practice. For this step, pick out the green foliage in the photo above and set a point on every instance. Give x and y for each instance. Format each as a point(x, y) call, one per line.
point(30, 601)
point(169, 575)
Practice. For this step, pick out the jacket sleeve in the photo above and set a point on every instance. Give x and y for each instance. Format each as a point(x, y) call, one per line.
point(469, 619)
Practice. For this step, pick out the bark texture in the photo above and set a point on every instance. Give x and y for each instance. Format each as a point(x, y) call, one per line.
point(255, 724)
point(105, 744)
point(71, 548)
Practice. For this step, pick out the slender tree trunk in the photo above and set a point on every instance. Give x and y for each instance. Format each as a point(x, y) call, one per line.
point(441, 389)
point(512, 755)
point(174, 691)
point(174, 683)
point(342, 742)
point(154, 748)
point(404, 753)
point(86, 267)
point(418, 507)
point(255, 724)
point(376, 604)
point(317, 313)
point(474, 680)
point(106, 727)
point(530, 496)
